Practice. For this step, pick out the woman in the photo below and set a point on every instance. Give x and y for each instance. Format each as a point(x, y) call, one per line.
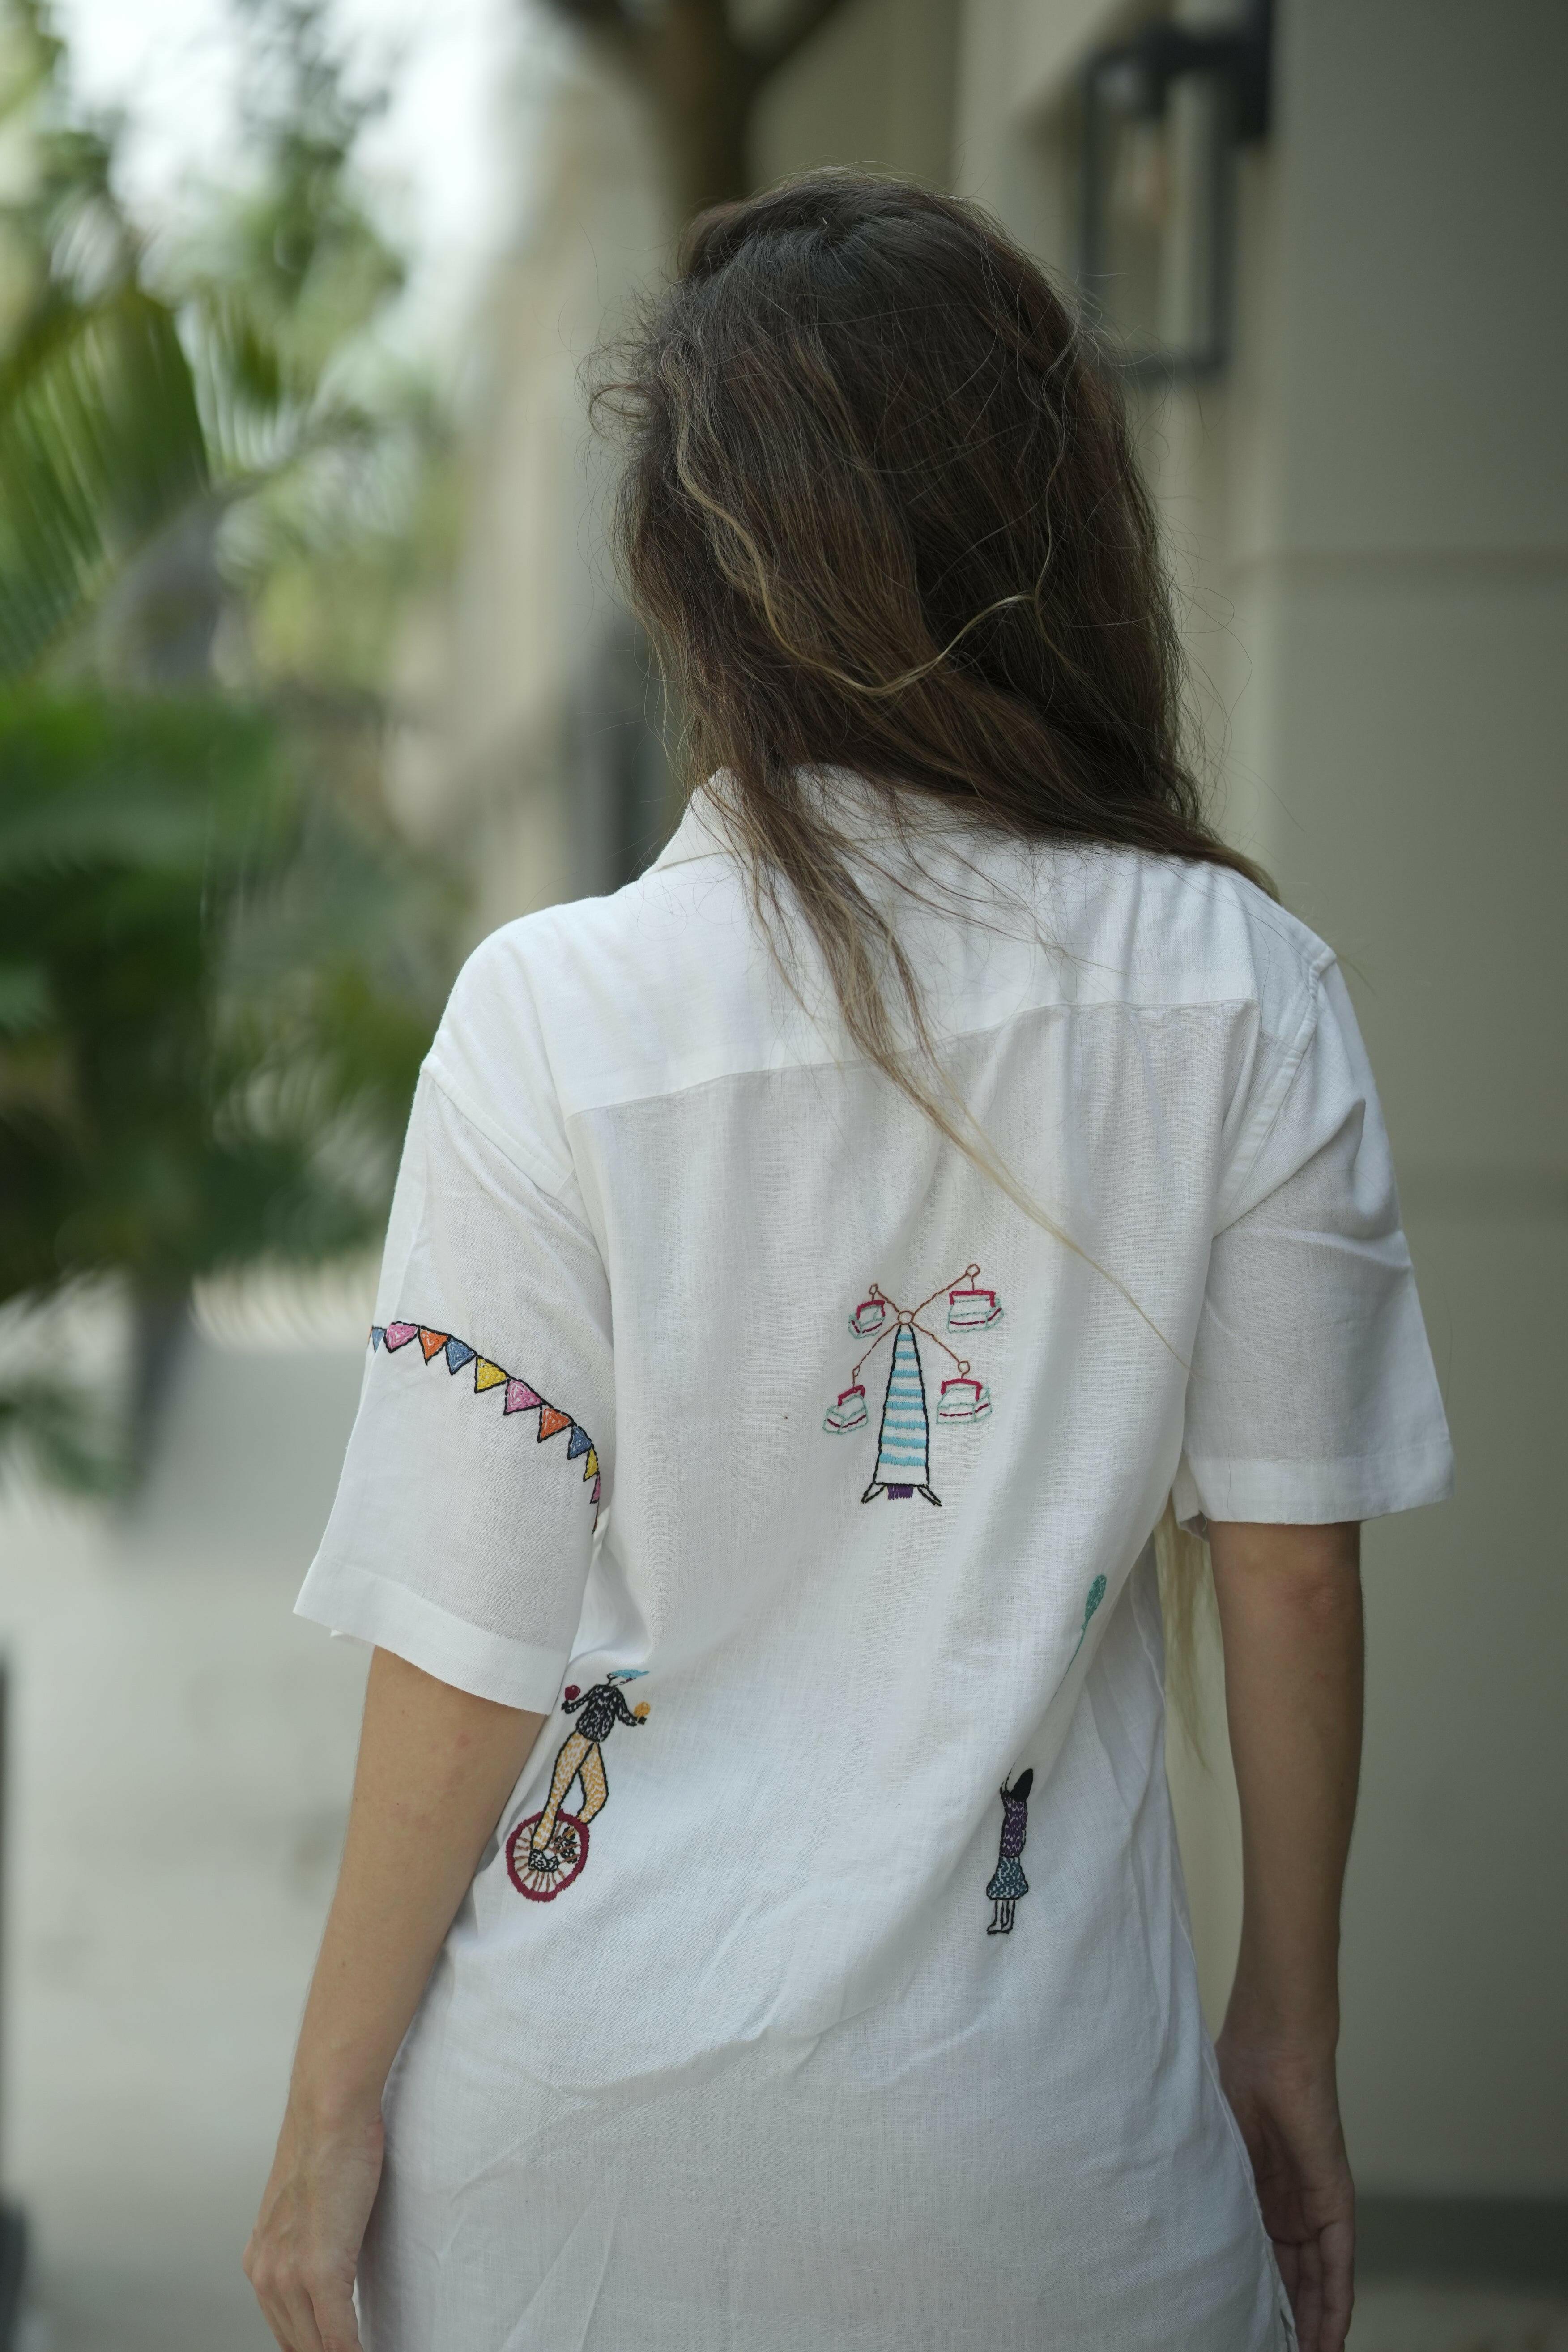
point(944, 992)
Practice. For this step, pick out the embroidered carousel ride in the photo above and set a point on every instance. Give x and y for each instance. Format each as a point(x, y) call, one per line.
point(904, 1438)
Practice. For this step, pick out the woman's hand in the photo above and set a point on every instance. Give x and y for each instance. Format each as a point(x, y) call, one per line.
point(304, 2250)
point(436, 1768)
point(1289, 1612)
point(1289, 2111)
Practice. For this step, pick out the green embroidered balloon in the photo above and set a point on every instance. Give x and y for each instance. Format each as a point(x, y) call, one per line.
point(1091, 1600)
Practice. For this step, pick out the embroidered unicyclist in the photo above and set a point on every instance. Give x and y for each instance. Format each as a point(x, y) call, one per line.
point(545, 1852)
point(1008, 1882)
point(903, 1436)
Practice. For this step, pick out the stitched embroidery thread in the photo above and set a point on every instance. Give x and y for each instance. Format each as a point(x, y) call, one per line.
point(903, 1436)
point(1091, 1600)
point(1008, 1882)
point(547, 1852)
point(519, 1397)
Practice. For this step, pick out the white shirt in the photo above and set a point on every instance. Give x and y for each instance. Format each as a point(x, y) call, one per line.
point(722, 1410)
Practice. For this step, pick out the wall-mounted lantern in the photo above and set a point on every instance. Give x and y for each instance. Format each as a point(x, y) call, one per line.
point(1164, 115)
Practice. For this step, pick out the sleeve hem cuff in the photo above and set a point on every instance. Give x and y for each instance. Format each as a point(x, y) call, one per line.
point(1315, 1493)
point(350, 1600)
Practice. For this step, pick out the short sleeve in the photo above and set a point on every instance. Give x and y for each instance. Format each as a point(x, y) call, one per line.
point(464, 1521)
point(1313, 1396)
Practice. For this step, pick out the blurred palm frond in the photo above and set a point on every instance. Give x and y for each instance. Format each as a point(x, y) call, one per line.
point(214, 999)
point(219, 969)
point(102, 449)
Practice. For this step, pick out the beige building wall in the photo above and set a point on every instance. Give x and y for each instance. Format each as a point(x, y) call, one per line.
point(1369, 509)
point(506, 671)
point(874, 86)
point(528, 689)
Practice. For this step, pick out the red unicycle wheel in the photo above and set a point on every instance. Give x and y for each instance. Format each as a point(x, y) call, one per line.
point(540, 1876)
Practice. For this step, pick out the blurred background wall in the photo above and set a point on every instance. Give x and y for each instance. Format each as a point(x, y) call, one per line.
point(1344, 331)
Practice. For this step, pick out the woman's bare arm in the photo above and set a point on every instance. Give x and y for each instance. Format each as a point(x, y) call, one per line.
point(436, 1768)
point(1289, 1612)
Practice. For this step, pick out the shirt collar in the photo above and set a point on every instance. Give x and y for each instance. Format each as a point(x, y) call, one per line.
point(699, 834)
point(702, 832)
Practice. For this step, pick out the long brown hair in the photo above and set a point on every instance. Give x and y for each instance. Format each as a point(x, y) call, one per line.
point(882, 512)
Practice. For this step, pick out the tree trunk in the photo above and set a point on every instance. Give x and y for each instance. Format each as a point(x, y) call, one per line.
point(161, 1325)
point(704, 84)
point(702, 80)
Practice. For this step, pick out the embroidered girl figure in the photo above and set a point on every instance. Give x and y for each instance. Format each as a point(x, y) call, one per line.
point(1008, 1880)
point(557, 1842)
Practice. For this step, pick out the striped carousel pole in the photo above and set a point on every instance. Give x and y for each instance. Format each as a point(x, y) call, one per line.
point(903, 1443)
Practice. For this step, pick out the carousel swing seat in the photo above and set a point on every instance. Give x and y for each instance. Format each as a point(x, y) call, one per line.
point(963, 1399)
point(972, 1311)
point(848, 1413)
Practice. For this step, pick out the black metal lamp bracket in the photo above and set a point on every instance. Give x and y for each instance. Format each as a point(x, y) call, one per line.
point(1133, 80)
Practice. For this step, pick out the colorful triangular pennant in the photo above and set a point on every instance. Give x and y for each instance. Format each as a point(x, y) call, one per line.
point(520, 1396)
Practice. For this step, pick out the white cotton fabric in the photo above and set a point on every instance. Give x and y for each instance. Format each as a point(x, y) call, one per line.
point(756, 2076)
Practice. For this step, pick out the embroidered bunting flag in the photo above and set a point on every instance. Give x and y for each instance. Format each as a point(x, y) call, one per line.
point(520, 1396)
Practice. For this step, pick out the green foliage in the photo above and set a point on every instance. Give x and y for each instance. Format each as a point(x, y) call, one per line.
point(100, 438)
point(216, 993)
point(65, 1436)
point(101, 448)
point(301, 251)
point(178, 421)
point(218, 969)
